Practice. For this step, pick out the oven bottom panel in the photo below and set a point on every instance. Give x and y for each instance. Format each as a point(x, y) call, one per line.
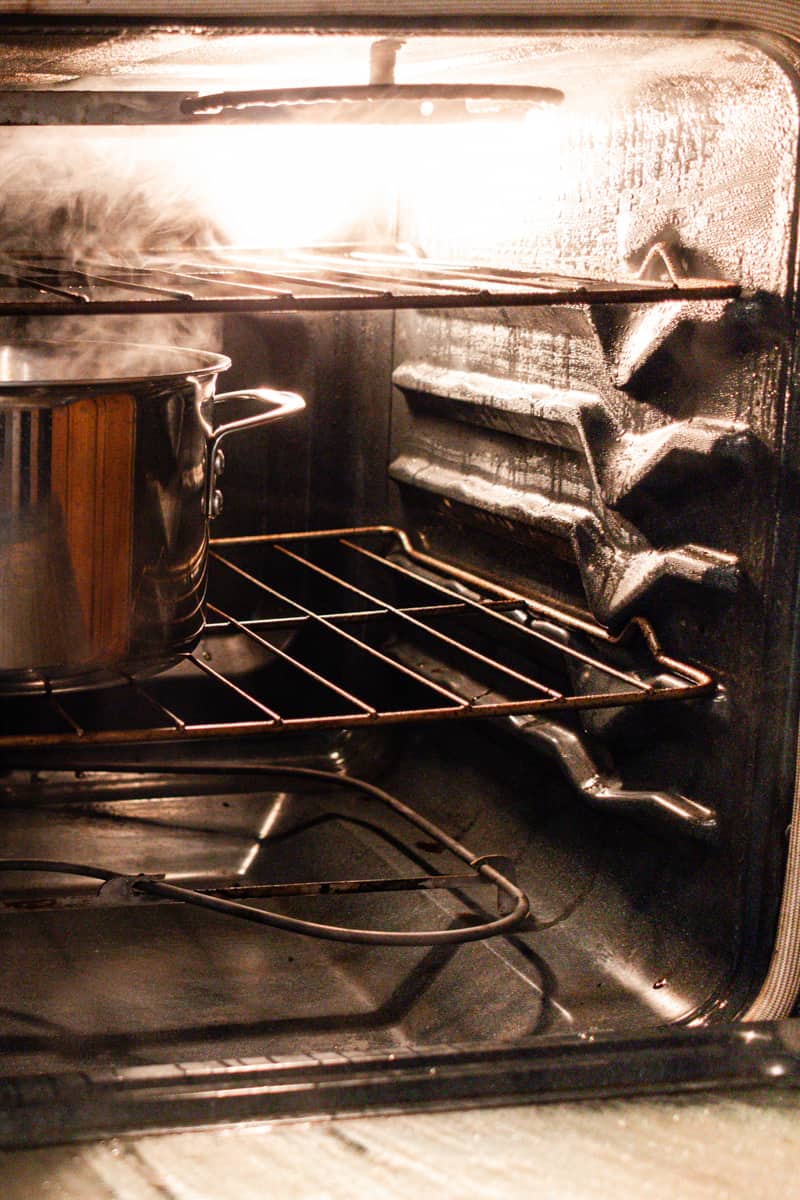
point(133, 1016)
point(86, 986)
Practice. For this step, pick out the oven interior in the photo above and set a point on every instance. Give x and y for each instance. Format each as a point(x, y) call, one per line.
point(551, 342)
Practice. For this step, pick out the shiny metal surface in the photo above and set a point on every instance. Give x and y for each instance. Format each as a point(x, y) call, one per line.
point(104, 481)
point(631, 930)
point(354, 277)
point(156, 985)
point(344, 635)
point(773, 15)
point(48, 365)
point(512, 902)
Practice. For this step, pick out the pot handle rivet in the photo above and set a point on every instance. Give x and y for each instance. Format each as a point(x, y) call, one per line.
point(275, 405)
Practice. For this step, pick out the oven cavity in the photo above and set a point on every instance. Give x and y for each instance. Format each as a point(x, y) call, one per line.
point(520, 579)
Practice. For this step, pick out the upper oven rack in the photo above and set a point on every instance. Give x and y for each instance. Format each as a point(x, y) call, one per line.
point(318, 279)
point(340, 628)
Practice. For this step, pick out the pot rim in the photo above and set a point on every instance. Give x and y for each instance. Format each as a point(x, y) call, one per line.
point(206, 364)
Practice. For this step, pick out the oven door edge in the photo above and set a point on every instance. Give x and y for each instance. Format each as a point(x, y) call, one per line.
point(771, 16)
point(47, 1109)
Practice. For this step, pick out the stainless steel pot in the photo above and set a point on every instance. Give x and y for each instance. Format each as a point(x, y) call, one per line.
point(109, 455)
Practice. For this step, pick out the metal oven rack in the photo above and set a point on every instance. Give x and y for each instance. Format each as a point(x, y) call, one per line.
point(317, 280)
point(379, 614)
point(351, 627)
point(337, 628)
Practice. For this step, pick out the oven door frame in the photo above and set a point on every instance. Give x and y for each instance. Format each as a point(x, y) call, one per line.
point(781, 17)
point(39, 1110)
point(42, 1110)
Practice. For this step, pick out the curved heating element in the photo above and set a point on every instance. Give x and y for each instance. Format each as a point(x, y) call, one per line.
point(128, 886)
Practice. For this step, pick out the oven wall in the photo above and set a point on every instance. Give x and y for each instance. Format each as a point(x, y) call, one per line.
point(634, 461)
point(631, 460)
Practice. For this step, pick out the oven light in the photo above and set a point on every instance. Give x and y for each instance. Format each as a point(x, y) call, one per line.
point(385, 104)
point(383, 99)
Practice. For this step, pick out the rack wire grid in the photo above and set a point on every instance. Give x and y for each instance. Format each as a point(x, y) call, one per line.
point(338, 628)
point(319, 279)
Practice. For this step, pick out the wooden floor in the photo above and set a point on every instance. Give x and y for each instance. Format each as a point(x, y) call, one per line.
point(701, 1147)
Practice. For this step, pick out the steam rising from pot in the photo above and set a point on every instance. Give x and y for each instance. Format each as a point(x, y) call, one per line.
point(95, 197)
point(85, 200)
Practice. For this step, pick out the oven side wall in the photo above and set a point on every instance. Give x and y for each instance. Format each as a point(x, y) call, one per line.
point(694, 145)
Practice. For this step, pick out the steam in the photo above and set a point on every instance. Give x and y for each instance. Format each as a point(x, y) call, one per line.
point(85, 200)
point(89, 195)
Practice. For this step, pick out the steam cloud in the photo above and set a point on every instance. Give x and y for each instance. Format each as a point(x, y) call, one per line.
point(85, 200)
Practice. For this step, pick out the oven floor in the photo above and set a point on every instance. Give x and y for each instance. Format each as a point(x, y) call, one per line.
point(165, 983)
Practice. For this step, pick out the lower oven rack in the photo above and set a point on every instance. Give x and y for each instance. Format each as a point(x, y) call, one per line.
point(355, 627)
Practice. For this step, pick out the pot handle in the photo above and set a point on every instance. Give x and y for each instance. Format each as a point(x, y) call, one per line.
point(277, 404)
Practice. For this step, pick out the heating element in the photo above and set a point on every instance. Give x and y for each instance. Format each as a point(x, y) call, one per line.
point(118, 888)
